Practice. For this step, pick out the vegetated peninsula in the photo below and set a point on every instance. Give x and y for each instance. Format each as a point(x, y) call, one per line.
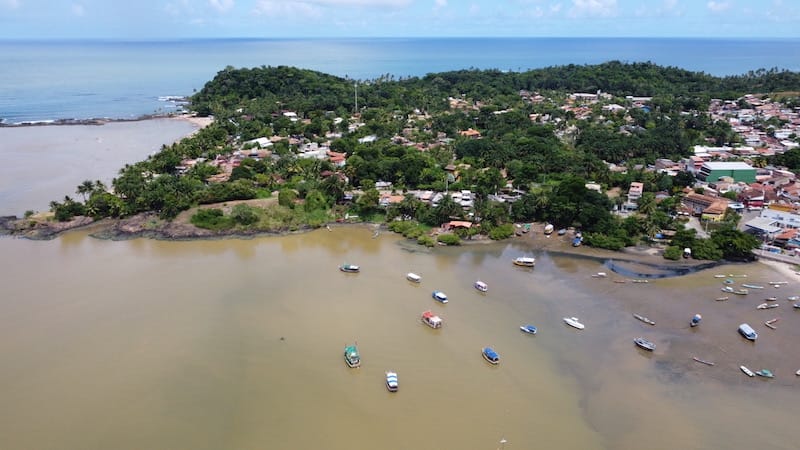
point(622, 152)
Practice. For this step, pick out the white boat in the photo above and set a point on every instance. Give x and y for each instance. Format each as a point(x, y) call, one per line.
point(644, 319)
point(391, 381)
point(768, 305)
point(747, 371)
point(752, 286)
point(432, 320)
point(439, 296)
point(412, 277)
point(797, 373)
point(599, 275)
point(645, 344)
point(525, 261)
point(530, 329)
point(481, 286)
point(748, 332)
point(548, 229)
point(350, 268)
point(574, 322)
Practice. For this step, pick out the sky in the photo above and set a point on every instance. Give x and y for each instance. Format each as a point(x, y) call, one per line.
point(172, 19)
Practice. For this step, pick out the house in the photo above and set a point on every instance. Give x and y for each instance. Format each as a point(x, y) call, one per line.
point(635, 192)
point(470, 133)
point(700, 204)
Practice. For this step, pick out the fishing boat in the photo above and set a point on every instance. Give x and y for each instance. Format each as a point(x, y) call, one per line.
point(702, 361)
point(748, 332)
point(771, 323)
point(548, 229)
point(644, 319)
point(645, 344)
point(349, 268)
point(574, 322)
point(747, 371)
point(490, 355)
point(412, 277)
point(530, 329)
point(525, 261)
point(391, 381)
point(481, 286)
point(766, 373)
point(768, 305)
point(439, 296)
point(432, 320)
point(721, 299)
point(696, 319)
point(752, 286)
point(351, 356)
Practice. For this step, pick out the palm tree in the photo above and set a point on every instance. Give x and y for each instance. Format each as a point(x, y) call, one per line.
point(85, 188)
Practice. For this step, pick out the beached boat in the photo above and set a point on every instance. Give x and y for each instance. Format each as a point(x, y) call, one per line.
point(702, 361)
point(481, 286)
point(797, 373)
point(771, 299)
point(525, 261)
point(768, 305)
point(549, 228)
point(530, 329)
point(640, 281)
point(796, 305)
point(432, 320)
point(747, 371)
point(793, 298)
point(741, 292)
point(696, 319)
point(562, 231)
point(490, 355)
point(752, 286)
point(728, 289)
point(599, 275)
point(766, 373)
point(721, 299)
point(748, 332)
point(771, 323)
point(720, 276)
point(349, 268)
point(412, 277)
point(729, 281)
point(645, 344)
point(351, 356)
point(574, 322)
point(577, 241)
point(439, 296)
point(778, 283)
point(391, 381)
point(644, 319)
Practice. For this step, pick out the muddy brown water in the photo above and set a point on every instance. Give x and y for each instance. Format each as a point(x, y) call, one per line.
point(238, 344)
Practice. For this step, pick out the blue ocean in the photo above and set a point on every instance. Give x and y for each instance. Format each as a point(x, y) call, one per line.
point(50, 80)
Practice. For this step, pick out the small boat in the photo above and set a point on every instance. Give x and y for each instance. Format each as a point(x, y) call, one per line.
point(720, 276)
point(548, 229)
point(753, 286)
point(768, 305)
point(778, 283)
point(728, 289)
point(796, 305)
point(640, 281)
point(748, 332)
point(481, 286)
point(412, 277)
point(729, 281)
point(574, 322)
point(432, 320)
point(530, 329)
point(793, 298)
point(766, 373)
point(771, 323)
point(562, 231)
point(741, 292)
point(645, 344)
point(391, 381)
point(771, 299)
point(349, 268)
point(797, 373)
point(621, 281)
point(696, 319)
point(351, 356)
point(490, 355)
point(577, 241)
point(439, 296)
point(721, 299)
point(747, 371)
point(525, 261)
point(644, 319)
point(702, 361)
point(599, 275)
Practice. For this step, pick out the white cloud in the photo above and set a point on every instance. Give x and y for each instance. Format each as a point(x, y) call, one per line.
point(9, 4)
point(593, 8)
point(440, 3)
point(221, 5)
point(272, 8)
point(78, 10)
point(367, 3)
point(555, 8)
point(716, 7)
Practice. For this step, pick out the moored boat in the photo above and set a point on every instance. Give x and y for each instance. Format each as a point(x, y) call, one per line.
point(747, 371)
point(490, 355)
point(752, 286)
point(645, 344)
point(412, 277)
point(640, 281)
point(721, 299)
point(771, 323)
point(796, 305)
point(525, 261)
point(574, 322)
point(548, 229)
point(696, 319)
point(766, 373)
point(351, 356)
point(391, 381)
point(350, 268)
point(702, 361)
point(771, 299)
point(530, 329)
point(432, 320)
point(793, 298)
point(481, 286)
point(599, 275)
point(748, 332)
point(741, 292)
point(439, 296)
point(562, 231)
point(768, 305)
point(644, 319)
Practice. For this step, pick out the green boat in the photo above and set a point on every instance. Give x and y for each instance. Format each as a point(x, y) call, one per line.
point(766, 373)
point(351, 356)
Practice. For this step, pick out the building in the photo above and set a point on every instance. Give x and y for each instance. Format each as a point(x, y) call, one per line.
point(712, 171)
point(710, 207)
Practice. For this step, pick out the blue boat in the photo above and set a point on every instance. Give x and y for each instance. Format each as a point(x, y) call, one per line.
point(439, 296)
point(696, 320)
point(490, 355)
point(577, 241)
point(530, 329)
point(351, 356)
point(391, 381)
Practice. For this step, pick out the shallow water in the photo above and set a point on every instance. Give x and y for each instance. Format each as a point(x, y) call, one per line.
point(238, 344)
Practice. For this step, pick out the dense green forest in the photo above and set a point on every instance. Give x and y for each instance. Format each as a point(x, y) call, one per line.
point(543, 149)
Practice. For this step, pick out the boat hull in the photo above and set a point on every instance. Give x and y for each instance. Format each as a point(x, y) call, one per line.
point(392, 383)
point(574, 323)
point(644, 344)
point(490, 356)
